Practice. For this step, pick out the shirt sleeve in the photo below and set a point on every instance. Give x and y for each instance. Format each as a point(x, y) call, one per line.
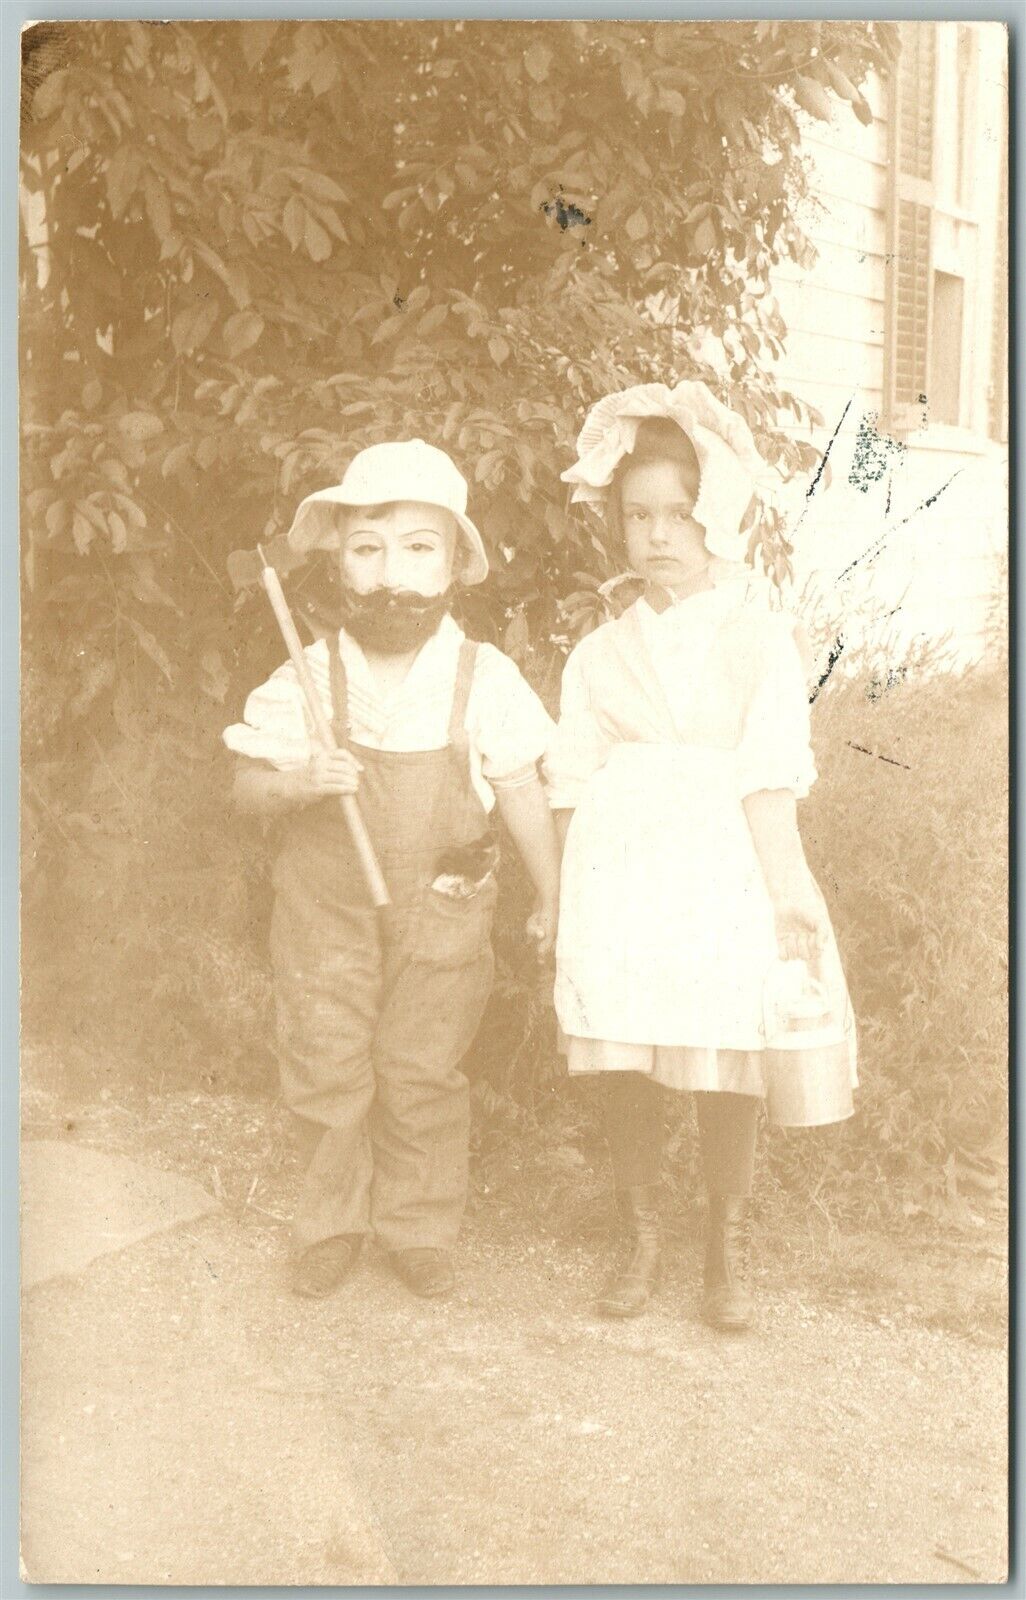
point(579, 747)
point(506, 722)
point(275, 724)
point(775, 750)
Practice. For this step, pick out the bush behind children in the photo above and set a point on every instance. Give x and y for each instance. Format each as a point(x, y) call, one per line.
point(664, 838)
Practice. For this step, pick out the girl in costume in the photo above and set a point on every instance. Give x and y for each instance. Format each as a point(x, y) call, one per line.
point(682, 748)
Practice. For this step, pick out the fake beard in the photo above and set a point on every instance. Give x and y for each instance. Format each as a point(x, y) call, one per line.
point(393, 621)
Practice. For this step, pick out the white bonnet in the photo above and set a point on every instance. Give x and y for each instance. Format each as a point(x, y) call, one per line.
point(731, 466)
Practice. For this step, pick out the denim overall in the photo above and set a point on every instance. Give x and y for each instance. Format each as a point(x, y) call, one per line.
point(376, 1009)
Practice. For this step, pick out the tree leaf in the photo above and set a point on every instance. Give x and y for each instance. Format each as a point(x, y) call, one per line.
point(123, 171)
point(144, 585)
point(158, 207)
point(140, 425)
point(637, 224)
point(318, 240)
point(56, 518)
point(192, 326)
point(241, 332)
point(812, 97)
point(256, 38)
point(321, 187)
point(839, 82)
point(705, 237)
point(390, 328)
point(537, 60)
point(431, 320)
point(517, 640)
point(215, 680)
point(157, 654)
point(82, 532)
point(294, 221)
point(498, 349)
point(486, 465)
point(49, 97)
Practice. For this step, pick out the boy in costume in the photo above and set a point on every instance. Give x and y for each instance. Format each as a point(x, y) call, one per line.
point(377, 1008)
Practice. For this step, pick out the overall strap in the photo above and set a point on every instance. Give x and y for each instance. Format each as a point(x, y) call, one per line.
point(339, 695)
point(461, 695)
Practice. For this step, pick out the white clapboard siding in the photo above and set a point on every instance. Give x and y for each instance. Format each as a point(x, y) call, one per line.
point(846, 226)
point(848, 361)
point(938, 571)
point(809, 307)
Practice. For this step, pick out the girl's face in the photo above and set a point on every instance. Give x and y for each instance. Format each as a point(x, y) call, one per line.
point(664, 542)
point(402, 545)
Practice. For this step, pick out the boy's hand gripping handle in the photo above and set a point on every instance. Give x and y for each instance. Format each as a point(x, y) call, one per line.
point(354, 821)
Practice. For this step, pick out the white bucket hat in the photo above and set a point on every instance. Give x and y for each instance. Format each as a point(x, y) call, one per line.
point(731, 466)
point(384, 473)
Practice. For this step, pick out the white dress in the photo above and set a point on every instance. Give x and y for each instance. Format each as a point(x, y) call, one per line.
point(666, 934)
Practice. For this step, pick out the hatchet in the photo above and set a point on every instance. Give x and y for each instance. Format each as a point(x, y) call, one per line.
point(244, 567)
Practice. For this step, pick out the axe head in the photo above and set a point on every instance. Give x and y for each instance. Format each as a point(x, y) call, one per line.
point(245, 566)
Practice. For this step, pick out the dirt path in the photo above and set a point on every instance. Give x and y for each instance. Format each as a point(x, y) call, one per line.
point(188, 1420)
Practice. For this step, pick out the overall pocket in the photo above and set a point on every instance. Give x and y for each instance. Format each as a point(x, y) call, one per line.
point(451, 931)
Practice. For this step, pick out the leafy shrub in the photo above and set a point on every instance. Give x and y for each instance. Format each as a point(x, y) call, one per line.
point(249, 249)
point(907, 833)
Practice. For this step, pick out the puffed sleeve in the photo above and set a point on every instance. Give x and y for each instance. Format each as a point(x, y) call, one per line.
point(775, 750)
point(580, 747)
point(506, 722)
point(276, 723)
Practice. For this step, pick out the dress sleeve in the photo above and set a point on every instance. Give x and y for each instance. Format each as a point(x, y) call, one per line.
point(276, 723)
point(775, 750)
point(579, 747)
point(506, 721)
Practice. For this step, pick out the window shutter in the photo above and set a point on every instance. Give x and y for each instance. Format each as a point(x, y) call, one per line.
point(909, 232)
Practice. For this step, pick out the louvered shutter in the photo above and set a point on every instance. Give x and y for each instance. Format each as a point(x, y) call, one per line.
point(910, 226)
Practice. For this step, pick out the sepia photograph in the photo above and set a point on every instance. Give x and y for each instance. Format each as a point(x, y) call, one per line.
point(514, 814)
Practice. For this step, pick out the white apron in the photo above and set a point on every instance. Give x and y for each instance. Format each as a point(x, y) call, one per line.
point(666, 936)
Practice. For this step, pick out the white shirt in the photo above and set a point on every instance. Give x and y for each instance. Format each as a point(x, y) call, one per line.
point(507, 727)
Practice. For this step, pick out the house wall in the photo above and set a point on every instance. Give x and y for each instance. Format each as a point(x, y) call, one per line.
point(937, 571)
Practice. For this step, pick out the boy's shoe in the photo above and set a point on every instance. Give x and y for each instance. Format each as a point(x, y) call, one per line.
point(322, 1268)
point(428, 1272)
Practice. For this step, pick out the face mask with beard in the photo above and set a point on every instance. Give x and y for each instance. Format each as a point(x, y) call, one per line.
point(393, 621)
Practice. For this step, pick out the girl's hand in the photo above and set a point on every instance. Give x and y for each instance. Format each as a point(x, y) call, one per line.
point(332, 772)
point(541, 927)
point(800, 925)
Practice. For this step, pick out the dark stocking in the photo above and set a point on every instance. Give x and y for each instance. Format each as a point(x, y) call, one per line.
point(634, 1128)
point(726, 1130)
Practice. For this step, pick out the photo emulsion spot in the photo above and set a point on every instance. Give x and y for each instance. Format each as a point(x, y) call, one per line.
point(514, 537)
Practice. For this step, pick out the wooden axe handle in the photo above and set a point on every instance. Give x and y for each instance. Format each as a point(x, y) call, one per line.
point(357, 827)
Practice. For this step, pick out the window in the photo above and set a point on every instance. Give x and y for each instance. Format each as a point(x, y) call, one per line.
point(945, 383)
point(945, 320)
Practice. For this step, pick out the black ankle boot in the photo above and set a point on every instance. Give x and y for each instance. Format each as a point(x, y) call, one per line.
point(628, 1291)
point(726, 1303)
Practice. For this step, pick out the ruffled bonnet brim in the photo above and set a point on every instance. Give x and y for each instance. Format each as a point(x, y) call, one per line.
point(731, 467)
